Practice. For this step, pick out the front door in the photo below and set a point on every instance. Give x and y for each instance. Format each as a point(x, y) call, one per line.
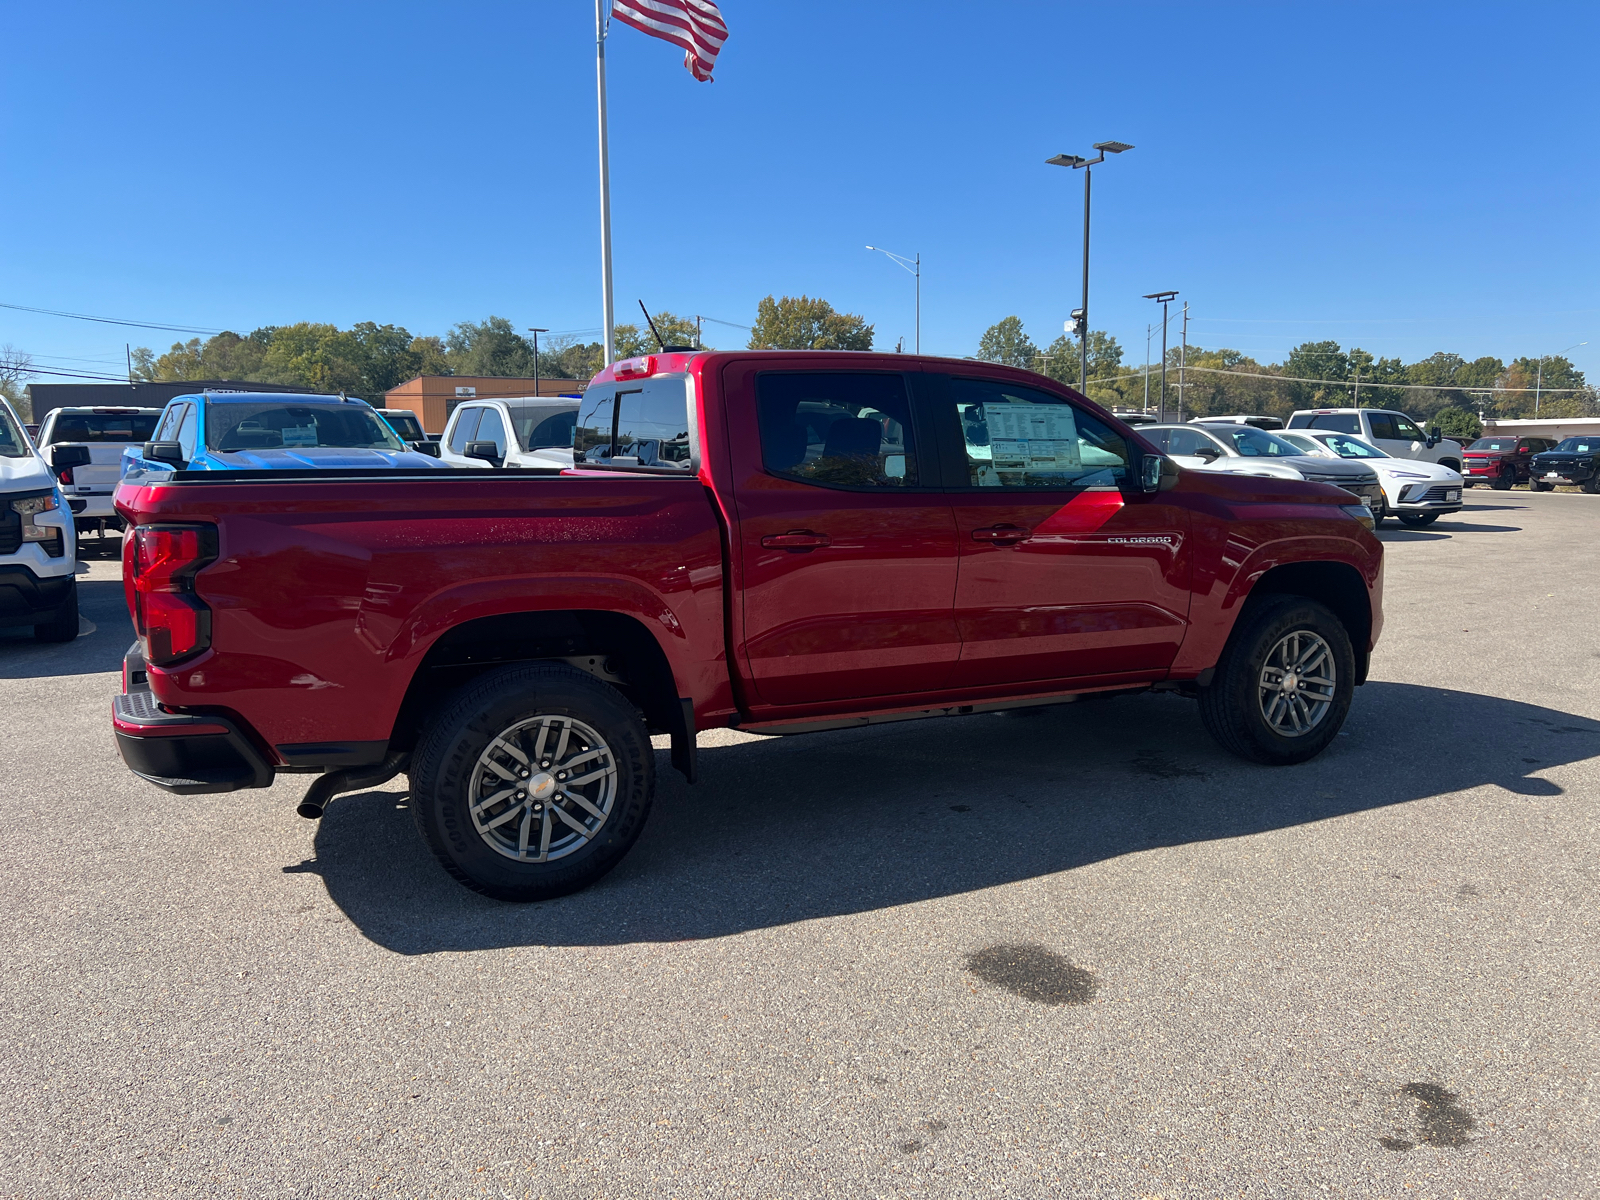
point(1397, 435)
point(1068, 570)
point(847, 549)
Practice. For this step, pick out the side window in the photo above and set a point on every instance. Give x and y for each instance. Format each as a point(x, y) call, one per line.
point(1185, 442)
point(552, 432)
point(185, 436)
point(1383, 426)
point(653, 425)
point(491, 429)
point(168, 428)
point(1343, 422)
point(1404, 429)
point(465, 430)
point(591, 434)
point(1018, 437)
point(843, 429)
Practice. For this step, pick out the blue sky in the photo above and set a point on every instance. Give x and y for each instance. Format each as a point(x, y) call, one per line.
point(1406, 177)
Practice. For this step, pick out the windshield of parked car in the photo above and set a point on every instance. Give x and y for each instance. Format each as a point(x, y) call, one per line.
point(103, 427)
point(1580, 445)
point(234, 427)
point(1494, 443)
point(1254, 443)
point(544, 426)
point(1349, 447)
point(13, 442)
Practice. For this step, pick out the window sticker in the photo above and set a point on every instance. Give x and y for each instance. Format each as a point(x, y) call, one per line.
point(1032, 437)
point(300, 435)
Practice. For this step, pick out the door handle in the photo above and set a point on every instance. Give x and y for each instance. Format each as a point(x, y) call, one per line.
point(1002, 534)
point(796, 539)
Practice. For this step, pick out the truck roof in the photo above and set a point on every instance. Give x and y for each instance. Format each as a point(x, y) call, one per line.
point(269, 398)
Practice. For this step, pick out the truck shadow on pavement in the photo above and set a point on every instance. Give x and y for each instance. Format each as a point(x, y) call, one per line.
point(101, 605)
point(792, 829)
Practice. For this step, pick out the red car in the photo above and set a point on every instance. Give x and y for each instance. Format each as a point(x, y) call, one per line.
point(774, 541)
point(1502, 460)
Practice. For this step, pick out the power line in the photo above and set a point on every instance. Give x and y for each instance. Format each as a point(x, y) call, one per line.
point(50, 312)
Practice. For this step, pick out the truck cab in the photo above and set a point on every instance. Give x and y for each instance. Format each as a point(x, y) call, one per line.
point(106, 433)
point(1396, 434)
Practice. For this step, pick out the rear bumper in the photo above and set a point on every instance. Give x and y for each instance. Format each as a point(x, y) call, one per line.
point(26, 598)
point(186, 754)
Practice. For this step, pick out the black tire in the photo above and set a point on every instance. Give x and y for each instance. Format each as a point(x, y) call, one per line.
point(62, 626)
point(1538, 485)
point(1591, 484)
point(1231, 706)
point(1418, 520)
point(1504, 481)
point(449, 764)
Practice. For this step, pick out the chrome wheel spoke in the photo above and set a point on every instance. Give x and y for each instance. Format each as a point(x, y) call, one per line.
point(501, 744)
point(585, 805)
point(544, 837)
point(577, 825)
point(504, 817)
point(491, 801)
point(590, 777)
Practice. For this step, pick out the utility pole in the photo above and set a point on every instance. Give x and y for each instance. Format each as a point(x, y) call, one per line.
point(1081, 316)
point(1357, 403)
point(1183, 355)
point(536, 333)
point(1148, 330)
point(1163, 299)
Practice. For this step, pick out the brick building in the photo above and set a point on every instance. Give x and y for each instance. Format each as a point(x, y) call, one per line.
point(434, 397)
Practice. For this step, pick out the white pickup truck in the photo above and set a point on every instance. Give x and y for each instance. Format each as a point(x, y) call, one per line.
point(1396, 434)
point(106, 432)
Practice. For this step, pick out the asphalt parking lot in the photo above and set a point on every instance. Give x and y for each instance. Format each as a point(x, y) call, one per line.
point(1082, 954)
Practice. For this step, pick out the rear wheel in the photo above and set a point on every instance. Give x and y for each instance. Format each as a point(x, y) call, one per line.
point(532, 782)
point(1283, 687)
point(63, 623)
point(1592, 484)
point(1504, 481)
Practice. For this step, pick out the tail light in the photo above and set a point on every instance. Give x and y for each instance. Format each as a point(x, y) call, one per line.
point(159, 566)
point(64, 476)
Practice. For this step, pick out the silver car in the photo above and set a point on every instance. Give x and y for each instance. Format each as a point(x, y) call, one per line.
point(1239, 449)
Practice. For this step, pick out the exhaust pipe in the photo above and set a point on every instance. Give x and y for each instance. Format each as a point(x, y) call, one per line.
point(352, 779)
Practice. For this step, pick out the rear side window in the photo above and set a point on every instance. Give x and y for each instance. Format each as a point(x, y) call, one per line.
point(1342, 422)
point(1017, 437)
point(1383, 426)
point(844, 429)
point(406, 427)
point(167, 431)
point(104, 427)
point(644, 424)
point(466, 429)
point(185, 436)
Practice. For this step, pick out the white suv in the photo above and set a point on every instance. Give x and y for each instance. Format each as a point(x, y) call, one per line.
point(511, 432)
point(1392, 432)
point(38, 547)
point(106, 432)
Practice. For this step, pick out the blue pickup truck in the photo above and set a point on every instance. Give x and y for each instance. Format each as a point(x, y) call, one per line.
point(263, 431)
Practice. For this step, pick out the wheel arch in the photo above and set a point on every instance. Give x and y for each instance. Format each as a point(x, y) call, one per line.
point(1335, 584)
point(617, 648)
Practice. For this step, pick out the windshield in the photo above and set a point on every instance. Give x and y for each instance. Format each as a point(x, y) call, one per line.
point(1494, 443)
point(1349, 447)
point(1580, 445)
point(1255, 443)
point(544, 426)
point(405, 425)
point(13, 443)
point(104, 427)
point(232, 427)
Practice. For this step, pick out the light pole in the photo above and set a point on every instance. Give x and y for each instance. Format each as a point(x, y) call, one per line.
point(1081, 317)
point(1163, 299)
point(914, 265)
point(1538, 382)
point(536, 333)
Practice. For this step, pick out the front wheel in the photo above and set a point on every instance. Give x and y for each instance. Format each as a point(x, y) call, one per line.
point(62, 626)
point(1591, 484)
point(1418, 520)
point(532, 781)
point(1283, 687)
point(1504, 481)
point(1538, 485)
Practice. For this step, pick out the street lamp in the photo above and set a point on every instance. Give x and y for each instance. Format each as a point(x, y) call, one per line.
point(914, 265)
point(536, 333)
point(1538, 382)
point(1163, 299)
point(1081, 317)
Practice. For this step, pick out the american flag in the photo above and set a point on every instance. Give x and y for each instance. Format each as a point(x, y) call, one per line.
point(695, 25)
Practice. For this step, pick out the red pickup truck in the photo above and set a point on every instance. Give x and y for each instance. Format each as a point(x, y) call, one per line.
point(780, 542)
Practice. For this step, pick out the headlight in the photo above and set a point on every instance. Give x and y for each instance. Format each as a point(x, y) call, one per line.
point(31, 507)
point(1409, 475)
point(1360, 512)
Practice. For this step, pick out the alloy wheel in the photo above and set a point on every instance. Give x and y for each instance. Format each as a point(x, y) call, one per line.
point(543, 788)
point(1297, 684)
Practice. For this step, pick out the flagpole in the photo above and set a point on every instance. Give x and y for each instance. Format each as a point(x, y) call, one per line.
point(605, 183)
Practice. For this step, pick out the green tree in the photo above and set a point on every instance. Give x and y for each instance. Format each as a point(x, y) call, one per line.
point(489, 347)
point(803, 323)
point(1004, 342)
point(1457, 423)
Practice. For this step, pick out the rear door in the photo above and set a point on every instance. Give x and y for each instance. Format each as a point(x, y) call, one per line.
point(1068, 571)
point(846, 544)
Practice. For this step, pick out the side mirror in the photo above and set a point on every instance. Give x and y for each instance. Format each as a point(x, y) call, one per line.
point(1150, 472)
point(431, 449)
point(170, 453)
point(485, 452)
point(1208, 454)
point(64, 458)
point(1433, 440)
